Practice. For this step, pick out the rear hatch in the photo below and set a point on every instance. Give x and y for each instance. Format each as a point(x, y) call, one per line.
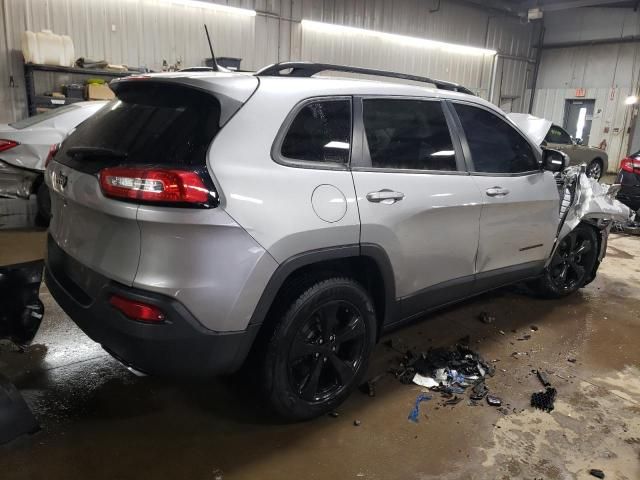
point(149, 145)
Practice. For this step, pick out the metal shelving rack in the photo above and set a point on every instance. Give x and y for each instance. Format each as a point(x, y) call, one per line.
point(35, 101)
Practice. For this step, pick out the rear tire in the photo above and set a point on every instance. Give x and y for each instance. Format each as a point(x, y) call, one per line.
point(319, 350)
point(43, 199)
point(572, 265)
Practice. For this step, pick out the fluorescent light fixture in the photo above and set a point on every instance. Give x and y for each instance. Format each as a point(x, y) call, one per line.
point(631, 100)
point(416, 41)
point(340, 145)
point(214, 6)
point(443, 153)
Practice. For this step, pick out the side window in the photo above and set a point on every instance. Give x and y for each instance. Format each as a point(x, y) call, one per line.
point(320, 132)
point(496, 147)
point(558, 135)
point(408, 134)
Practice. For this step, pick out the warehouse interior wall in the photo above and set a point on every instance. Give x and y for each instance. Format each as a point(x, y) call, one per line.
point(593, 54)
point(146, 32)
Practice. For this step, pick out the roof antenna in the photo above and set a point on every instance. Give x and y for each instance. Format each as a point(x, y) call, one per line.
point(214, 63)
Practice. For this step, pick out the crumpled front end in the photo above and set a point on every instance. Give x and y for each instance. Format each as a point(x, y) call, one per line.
point(592, 202)
point(16, 182)
point(584, 200)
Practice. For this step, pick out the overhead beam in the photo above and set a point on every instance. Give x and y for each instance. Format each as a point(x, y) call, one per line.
point(557, 5)
point(501, 6)
point(588, 43)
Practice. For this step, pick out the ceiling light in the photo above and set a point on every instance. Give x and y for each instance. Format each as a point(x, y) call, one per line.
point(335, 144)
point(420, 42)
point(631, 100)
point(443, 153)
point(214, 6)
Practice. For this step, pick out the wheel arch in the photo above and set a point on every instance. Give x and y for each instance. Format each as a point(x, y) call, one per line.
point(367, 263)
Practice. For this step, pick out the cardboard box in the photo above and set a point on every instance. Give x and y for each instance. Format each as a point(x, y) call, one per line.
point(99, 92)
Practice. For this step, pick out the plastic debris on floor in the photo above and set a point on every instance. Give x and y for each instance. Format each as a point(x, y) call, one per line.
point(544, 400)
point(414, 414)
point(451, 372)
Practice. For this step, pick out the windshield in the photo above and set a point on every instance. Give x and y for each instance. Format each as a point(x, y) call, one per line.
point(31, 121)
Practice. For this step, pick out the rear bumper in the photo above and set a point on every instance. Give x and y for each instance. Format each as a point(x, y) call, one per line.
point(180, 346)
point(16, 182)
point(630, 191)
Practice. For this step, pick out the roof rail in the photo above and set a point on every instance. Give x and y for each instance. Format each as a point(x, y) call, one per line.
point(308, 69)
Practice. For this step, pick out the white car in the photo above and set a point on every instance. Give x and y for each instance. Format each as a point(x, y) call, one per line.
point(24, 146)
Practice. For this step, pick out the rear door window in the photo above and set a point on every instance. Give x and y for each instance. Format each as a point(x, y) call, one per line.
point(408, 135)
point(152, 124)
point(320, 132)
point(496, 147)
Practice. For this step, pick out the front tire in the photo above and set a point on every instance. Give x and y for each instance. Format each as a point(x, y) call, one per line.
point(320, 349)
point(594, 169)
point(572, 265)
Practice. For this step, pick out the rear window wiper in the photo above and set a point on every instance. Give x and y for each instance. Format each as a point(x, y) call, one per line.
point(95, 152)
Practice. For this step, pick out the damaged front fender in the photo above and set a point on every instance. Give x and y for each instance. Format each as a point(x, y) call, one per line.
point(584, 200)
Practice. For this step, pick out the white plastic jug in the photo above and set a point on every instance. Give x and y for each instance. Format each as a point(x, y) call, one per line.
point(47, 48)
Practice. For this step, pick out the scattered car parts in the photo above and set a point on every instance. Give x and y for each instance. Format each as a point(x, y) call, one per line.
point(21, 312)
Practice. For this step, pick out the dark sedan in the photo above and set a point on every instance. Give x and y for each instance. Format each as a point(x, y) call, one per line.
point(629, 178)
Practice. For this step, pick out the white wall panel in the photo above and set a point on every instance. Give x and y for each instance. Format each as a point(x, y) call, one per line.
point(148, 31)
point(587, 24)
point(608, 73)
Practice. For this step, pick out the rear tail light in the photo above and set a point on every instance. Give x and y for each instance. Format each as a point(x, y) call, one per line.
point(7, 144)
point(153, 185)
point(630, 164)
point(53, 149)
point(137, 310)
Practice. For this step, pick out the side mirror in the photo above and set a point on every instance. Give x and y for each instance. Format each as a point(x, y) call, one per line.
point(554, 160)
point(579, 141)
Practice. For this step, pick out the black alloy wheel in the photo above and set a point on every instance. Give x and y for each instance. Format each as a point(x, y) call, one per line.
point(594, 170)
point(327, 351)
point(573, 260)
point(318, 352)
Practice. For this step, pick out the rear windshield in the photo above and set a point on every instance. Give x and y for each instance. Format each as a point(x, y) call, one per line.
point(147, 123)
point(31, 121)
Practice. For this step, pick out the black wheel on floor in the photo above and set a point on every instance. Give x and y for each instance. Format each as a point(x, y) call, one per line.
point(572, 263)
point(319, 350)
point(594, 169)
point(43, 199)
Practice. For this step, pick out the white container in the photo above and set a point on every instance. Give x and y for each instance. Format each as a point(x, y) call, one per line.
point(47, 48)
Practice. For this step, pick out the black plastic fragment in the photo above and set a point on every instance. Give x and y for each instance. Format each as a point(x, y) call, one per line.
point(453, 401)
point(544, 400)
point(485, 317)
point(15, 417)
point(494, 401)
point(543, 378)
point(20, 308)
point(596, 473)
point(479, 391)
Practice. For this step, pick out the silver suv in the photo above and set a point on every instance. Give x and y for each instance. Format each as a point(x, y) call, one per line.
point(201, 217)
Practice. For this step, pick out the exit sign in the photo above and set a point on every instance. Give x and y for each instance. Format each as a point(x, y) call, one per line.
point(581, 92)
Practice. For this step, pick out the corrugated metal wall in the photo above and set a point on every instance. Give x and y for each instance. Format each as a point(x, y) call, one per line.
point(144, 32)
point(609, 73)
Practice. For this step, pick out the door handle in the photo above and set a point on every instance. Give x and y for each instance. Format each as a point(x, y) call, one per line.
point(497, 192)
point(385, 196)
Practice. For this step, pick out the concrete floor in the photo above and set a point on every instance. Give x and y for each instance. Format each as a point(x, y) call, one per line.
point(100, 421)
